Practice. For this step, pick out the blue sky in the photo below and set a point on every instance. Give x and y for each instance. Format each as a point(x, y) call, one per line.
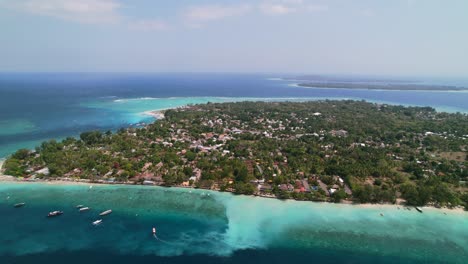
point(384, 37)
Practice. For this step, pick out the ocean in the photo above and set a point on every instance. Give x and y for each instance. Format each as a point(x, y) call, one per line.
point(196, 226)
point(199, 226)
point(39, 106)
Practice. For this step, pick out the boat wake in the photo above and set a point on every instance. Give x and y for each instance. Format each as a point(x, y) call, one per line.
point(160, 240)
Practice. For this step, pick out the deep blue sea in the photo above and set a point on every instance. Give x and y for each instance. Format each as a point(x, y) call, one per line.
point(39, 106)
point(196, 226)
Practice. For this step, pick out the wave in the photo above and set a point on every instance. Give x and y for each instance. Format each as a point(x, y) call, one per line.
point(137, 99)
point(223, 99)
point(200, 100)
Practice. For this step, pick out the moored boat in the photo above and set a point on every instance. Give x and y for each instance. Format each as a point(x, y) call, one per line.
point(97, 222)
point(79, 206)
point(105, 212)
point(54, 213)
point(418, 209)
point(82, 209)
point(19, 205)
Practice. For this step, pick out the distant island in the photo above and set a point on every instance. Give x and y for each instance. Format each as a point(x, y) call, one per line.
point(347, 79)
point(337, 151)
point(382, 86)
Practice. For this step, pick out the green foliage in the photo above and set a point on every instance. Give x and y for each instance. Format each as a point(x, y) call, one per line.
point(338, 196)
point(244, 188)
point(21, 154)
point(383, 151)
point(91, 137)
point(13, 167)
point(416, 195)
point(464, 199)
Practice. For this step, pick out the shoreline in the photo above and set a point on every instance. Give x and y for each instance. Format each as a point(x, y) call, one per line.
point(381, 87)
point(403, 207)
point(156, 114)
point(299, 85)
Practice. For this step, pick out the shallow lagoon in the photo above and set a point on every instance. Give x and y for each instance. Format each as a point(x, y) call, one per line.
point(199, 225)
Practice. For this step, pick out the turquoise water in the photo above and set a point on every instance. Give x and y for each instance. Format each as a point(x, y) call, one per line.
point(132, 110)
point(211, 227)
point(40, 106)
point(195, 225)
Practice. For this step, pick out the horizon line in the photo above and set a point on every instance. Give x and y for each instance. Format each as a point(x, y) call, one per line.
point(289, 74)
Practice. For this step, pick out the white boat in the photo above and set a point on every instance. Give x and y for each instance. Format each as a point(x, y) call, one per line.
point(84, 209)
point(54, 213)
point(79, 206)
point(19, 205)
point(105, 212)
point(97, 222)
point(419, 209)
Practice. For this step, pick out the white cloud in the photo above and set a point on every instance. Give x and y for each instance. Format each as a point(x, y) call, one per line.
point(216, 12)
point(276, 9)
point(110, 11)
point(317, 8)
point(283, 7)
point(148, 25)
point(82, 11)
point(85, 11)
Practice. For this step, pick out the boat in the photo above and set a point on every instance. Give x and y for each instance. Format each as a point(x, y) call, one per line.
point(154, 231)
point(79, 206)
point(418, 209)
point(97, 222)
point(82, 209)
point(105, 212)
point(19, 205)
point(54, 213)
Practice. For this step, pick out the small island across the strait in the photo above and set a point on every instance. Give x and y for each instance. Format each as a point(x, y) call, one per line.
point(380, 86)
point(321, 151)
point(367, 83)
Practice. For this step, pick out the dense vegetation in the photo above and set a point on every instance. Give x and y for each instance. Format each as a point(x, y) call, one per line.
point(326, 150)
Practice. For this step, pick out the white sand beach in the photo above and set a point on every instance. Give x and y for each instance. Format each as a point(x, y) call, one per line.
point(1, 166)
point(157, 114)
point(383, 207)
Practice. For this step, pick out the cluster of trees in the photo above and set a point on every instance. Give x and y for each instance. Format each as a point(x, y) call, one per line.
point(384, 153)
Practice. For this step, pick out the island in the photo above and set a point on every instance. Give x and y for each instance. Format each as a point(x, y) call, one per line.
point(335, 151)
point(382, 86)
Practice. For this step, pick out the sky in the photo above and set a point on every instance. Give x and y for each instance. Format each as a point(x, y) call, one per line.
point(375, 37)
